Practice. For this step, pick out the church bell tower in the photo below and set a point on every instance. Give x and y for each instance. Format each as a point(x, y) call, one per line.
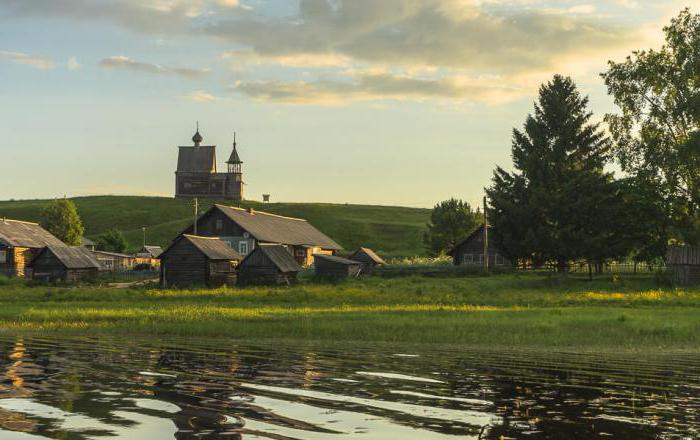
point(235, 171)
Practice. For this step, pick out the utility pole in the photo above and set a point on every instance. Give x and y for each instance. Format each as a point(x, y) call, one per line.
point(486, 239)
point(144, 236)
point(196, 214)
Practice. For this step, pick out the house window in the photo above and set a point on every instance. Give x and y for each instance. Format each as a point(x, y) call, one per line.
point(468, 258)
point(219, 224)
point(499, 260)
point(188, 185)
point(301, 253)
point(243, 248)
point(481, 258)
point(3, 256)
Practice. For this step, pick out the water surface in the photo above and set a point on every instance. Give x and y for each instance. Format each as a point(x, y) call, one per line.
point(117, 387)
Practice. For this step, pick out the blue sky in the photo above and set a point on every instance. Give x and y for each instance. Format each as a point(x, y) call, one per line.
point(402, 102)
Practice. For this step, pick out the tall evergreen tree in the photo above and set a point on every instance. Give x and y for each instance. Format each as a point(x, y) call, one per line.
point(61, 218)
point(549, 208)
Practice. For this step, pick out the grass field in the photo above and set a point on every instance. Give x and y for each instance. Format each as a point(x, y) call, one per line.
point(393, 231)
point(506, 310)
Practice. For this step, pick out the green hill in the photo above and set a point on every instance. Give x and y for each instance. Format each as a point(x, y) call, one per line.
point(393, 231)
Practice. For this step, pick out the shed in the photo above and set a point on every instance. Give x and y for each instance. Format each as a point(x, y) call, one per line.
point(331, 266)
point(64, 263)
point(19, 242)
point(193, 260)
point(147, 258)
point(470, 252)
point(268, 264)
point(87, 243)
point(684, 262)
point(368, 258)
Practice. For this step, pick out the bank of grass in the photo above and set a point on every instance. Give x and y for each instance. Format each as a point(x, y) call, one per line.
point(633, 312)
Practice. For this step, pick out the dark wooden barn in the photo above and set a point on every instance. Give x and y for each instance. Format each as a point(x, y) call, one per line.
point(192, 260)
point(470, 252)
point(66, 264)
point(268, 264)
point(332, 266)
point(368, 258)
point(19, 243)
point(244, 229)
point(684, 264)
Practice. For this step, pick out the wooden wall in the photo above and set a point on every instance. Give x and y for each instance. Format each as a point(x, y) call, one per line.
point(331, 269)
point(684, 262)
point(183, 265)
point(48, 268)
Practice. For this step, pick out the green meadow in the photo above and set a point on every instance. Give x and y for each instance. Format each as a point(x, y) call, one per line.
point(390, 230)
point(530, 310)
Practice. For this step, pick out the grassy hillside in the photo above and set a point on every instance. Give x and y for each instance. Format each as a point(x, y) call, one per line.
point(393, 231)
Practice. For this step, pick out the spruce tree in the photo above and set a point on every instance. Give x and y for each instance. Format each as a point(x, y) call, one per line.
point(549, 208)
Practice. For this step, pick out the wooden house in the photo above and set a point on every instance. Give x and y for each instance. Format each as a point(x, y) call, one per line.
point(19, 243)
point(332, 266)
point(115, 261)
point(147, 258)
point(245, 229)
point(368, 258)
point(65, 264)
point(684, 263)
point(470, 252)
point(191, 260)
point(268, 264)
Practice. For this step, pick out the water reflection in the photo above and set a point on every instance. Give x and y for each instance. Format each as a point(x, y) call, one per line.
point(86, 388)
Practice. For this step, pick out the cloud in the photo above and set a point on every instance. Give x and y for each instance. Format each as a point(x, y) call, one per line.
point(200, 96)
point(126, 63)
point(379, 86)
point(29, 60)
point(73, 64)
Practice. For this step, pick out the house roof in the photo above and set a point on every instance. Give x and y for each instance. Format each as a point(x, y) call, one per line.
point(112, 254)
point(278, 255)
point(338, 260)
point(84, 241)
point(272, 228)
point(213, 248)
point(370, 253)
point(16, 233)
point(153, 251)
point(470, 237)
point(199, 159)
point(72, 257)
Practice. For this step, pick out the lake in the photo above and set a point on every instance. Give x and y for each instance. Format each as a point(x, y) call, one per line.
point(126, 387)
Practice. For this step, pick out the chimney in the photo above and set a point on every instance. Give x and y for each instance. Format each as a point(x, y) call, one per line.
point(251, 211)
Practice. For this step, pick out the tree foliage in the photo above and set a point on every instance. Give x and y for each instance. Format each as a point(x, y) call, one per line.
point(450, 222)
point(61, 219)
point(112, 240)
point(657, 134)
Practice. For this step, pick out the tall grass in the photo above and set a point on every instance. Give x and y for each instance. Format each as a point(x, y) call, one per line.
point(507, 310)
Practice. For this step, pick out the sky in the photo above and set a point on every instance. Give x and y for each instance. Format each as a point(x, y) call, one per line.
point(393, 102)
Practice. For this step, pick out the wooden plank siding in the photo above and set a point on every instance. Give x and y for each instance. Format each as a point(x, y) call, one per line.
point(684, 262)
point(47, 268)
point(185, 265)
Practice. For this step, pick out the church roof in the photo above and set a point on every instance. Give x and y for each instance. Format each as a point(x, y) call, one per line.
point(234, 158)
point(197, 159)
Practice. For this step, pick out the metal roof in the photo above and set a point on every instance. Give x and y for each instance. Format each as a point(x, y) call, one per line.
point(278, 255)
point(16, 233)
point(271, 228)
point(200, 159)
point(370, 253)
point(213, 248)
point(338, 260)
point(72, 257)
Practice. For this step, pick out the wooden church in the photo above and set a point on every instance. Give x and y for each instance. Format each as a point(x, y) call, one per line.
point(197, 176)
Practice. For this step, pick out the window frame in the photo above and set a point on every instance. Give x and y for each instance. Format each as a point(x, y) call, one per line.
point(243, 245)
